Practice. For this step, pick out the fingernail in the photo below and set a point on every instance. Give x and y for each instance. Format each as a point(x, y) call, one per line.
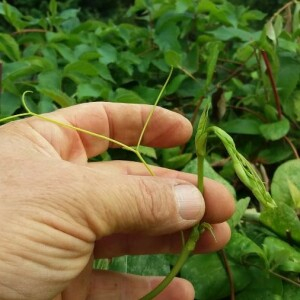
point(190, 202)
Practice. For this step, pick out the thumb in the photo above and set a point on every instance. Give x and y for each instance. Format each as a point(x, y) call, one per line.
point(126, 203)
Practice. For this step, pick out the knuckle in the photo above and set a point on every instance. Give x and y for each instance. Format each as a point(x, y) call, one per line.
point(154, 207)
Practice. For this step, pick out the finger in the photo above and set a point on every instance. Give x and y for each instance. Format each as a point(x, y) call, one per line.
point(136, 244)
point(109, 285)
point(219, 202)
point(121, 122)
point(127, 203)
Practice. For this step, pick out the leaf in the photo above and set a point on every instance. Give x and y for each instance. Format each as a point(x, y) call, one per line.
point(283, 220)
point(270, 31)
point(242, 249)
point(213, 50)
point(53, 7)
point(173, 58)
point(141, 264)
point(127, 96)
point(178, 161)
point(240, 208)
point(13, 16)
point(295, 194)
point(262, 287)
point(282, 256)
point(275, 131)
point(89, 90)
point(287, 80)
point(209, 172)
point(82, 67)
point(208, 276)
point(286, 174)
point(147, 151)
point(9, 103)
point(57, 96)
point(9, 47)
point(167, 37)
point(276, 152)
point(278, 25)
point(242, 126)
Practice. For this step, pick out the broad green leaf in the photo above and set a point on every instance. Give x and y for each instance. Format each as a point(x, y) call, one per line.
point(240, 208)
point(213, 54)
point(50, 79)
point(127, 96)
point(282, 256)
point(207, 274)
point(290, 291)
point(82, 67)
point(270, 31)
point(276, 152)
point(178, 161)
point(262, 287)
point(288, 78)
point(89, 90)
point(275, 131)
point(209, 172)
point(242, 126)
point(141, 264)
point(278, 25)
point(173, 58)
point(9, 103)
point(57, 96)
point(13, 16)
point(53, 7)
point(283, 220)
point(167, 37)
point(295, 195)
point(108, 53)
point(226, 33)
point(147, 151)
point(286, 174)
point(175, 83)
point(243, 250)
point(9, 47)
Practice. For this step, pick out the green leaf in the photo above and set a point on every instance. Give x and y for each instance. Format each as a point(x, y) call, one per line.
point(147, 151)
point(208, 276)
point(167, 37)
point(209, 172)
point(127, 96)
point(9, 47)
point(276, 152)
point(286, 174)
point(242, 249)
point(262, 287)
point(57, 96)
point(283, 220)
point(275, 131)
point(9, 103)
point(53, 7)
point(141, 264)
point(178, 161)
point(13, 16)
point(173, 58)
point(270, 31)
point(89, 90)
point(240, 208)
point(82, 67)
point(213, 50)
point(281, 255)
point(288, 78)
point(242, 126)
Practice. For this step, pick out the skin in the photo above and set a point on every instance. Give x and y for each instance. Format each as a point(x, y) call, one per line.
point(58, 211)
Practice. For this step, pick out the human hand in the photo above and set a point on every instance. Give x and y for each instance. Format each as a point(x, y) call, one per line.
point(58, 211)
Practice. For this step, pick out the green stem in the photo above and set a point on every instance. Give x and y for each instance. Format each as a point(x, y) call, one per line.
point(184, 255)
point(14, 117)
point(153, 109)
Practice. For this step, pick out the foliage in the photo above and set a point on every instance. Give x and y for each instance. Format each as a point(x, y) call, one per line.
point(223, 55)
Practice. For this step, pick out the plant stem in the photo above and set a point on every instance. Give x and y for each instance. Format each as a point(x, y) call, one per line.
point(184, 255)
point(153, 109)
point(14, 117)
point(273, 84)
point(229, 273)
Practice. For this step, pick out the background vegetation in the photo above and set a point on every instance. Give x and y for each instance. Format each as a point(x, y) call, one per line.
point(243, 58)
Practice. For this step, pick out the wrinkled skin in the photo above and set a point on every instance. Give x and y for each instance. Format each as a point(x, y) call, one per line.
point(58, 211)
